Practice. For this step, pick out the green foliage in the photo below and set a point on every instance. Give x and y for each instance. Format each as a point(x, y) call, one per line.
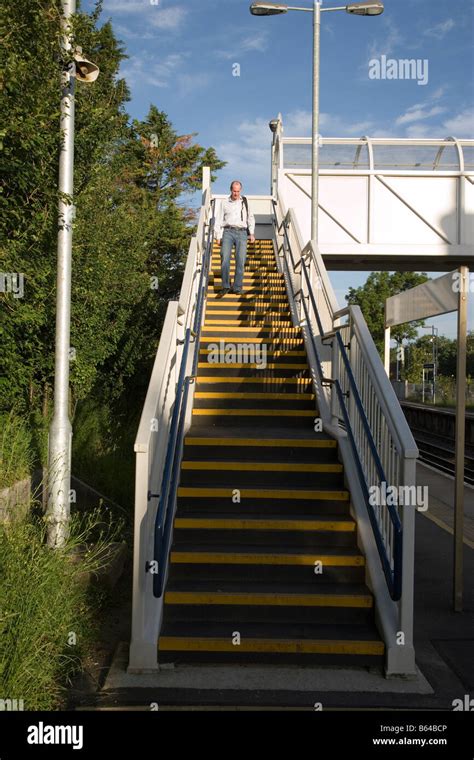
point(129, 227)
point(44, 598)
point(16, 452)
point(371, 298)
point(420, 351)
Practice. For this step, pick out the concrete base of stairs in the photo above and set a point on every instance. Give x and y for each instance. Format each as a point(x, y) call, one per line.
point(444, 646)
point(258, 686)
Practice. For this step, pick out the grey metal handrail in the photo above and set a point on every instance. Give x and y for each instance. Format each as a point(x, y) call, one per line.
point(164, 514)
point(393, 575)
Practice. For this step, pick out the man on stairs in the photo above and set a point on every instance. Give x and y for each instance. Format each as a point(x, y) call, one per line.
point(234, 223)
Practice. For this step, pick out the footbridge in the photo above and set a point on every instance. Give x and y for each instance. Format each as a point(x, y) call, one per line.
point(275, 470)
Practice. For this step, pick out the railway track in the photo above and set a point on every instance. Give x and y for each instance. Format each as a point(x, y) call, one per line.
point(433, 431)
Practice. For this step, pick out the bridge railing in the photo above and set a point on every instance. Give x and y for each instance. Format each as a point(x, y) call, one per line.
point(358, 405)
point(157, 443)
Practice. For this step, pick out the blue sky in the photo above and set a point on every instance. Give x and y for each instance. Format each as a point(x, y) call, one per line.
point(182, 55)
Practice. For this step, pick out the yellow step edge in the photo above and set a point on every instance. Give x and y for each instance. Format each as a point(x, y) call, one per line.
point(198, 523)
point(269, 600)
point(262, 466)
point(245, 306)
point(245, 299)
point(254, 412)
point(292, 342)
point(251, 365)
point(265, 493)
point(254, 396)
point(317, 443)
point(266, 289)
point(279, 352)
point(235, 558)
point(244, 315)
point(271, 646)
point(265, 380)
point(239, 322)
point(221, 328)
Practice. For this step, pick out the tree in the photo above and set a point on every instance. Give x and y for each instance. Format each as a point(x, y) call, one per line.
point(371, 298)
point(130, 224)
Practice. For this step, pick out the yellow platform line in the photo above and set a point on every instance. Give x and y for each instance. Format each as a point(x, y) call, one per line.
point(255, 396)
point(269, 600)
point(262, 466)
point(260, 330)
point(271, 646)
point(254, 412)
point(317, 443)
point(235, 558)
point(265, 493)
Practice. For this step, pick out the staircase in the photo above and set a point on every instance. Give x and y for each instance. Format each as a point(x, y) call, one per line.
point(264, 565)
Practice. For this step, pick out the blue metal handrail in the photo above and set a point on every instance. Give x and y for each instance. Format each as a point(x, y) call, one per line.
point(164, 513)
point(392, 577)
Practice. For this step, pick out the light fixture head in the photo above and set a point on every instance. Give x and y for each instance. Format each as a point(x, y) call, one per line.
point(366, 9)
point(267, 9)
point(86, 71)
point(273, 124)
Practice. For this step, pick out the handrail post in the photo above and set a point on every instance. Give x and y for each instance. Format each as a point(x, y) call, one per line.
point(401, 657)
point(335, 376)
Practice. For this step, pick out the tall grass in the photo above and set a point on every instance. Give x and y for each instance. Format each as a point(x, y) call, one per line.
point(16, 453)
point(48, 611)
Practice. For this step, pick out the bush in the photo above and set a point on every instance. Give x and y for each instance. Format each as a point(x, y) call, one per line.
point(47, 608)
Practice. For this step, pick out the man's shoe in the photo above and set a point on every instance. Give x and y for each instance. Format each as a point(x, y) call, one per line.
point(237, 292)
point(223, 292)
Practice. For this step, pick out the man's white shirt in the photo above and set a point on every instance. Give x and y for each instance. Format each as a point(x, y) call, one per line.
point(233, 214)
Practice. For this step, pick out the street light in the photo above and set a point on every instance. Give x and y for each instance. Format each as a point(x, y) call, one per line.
point(359, 9)
point(75, 66)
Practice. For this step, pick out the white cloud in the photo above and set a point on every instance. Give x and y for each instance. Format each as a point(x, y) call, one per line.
point(153, 14)
point(441, 30)
point(461, 125)
point(169, 18)
point(146, 69)
point(421, 131)
point(126, 6)
point(385, 45)
point(415, 113)
point(299, 124)
point(189, 83)
point(248, 43)
point(248, 155)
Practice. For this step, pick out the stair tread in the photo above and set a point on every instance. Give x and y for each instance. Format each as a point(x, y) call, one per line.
point(249, 587)
point(261, 517)
point(321, 551)
point(284, 631)
point(278, 489)
point(275, 434)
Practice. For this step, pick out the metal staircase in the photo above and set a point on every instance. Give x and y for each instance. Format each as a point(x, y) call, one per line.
point(268, 419)
point(264, 565)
